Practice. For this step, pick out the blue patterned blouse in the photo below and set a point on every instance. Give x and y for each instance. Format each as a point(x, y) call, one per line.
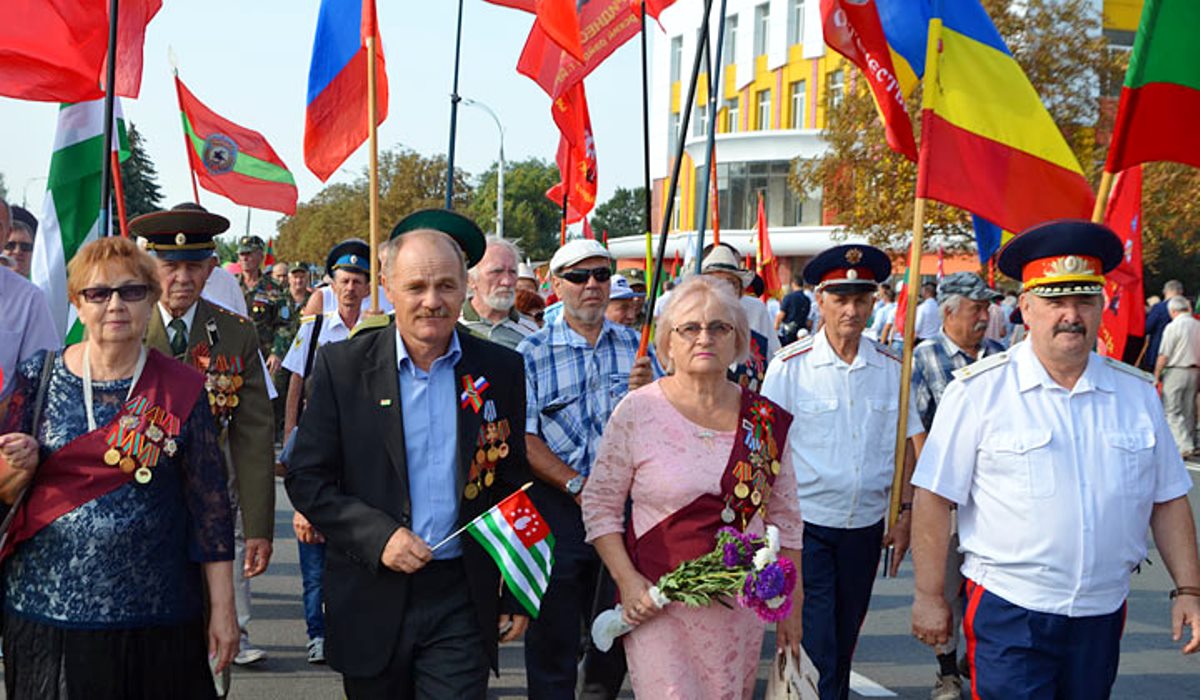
point(130, 558)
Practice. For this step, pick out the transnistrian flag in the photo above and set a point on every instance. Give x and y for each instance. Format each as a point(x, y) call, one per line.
point(521, 544)
point(233, 161)
point(988, 144)
point(71, 214)
point(1160, 102)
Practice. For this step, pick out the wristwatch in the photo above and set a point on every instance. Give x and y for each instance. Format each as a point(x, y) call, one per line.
point(574, 485)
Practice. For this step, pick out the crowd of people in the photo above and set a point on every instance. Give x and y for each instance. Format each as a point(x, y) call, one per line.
point(138, 465)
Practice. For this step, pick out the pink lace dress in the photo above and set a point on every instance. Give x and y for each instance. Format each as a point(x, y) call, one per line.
point(653, 454)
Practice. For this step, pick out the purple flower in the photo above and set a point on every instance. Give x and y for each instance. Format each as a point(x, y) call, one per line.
point(769, 592)
point(733, 555)
point(769, 582)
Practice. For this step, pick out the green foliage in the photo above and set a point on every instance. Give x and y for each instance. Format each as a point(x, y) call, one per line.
point(139, 178)
point(624, 214)
point(407, 181)
point(531, 220)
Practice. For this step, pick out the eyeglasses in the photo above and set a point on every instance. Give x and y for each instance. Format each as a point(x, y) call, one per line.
point(101, 295)
point(601, 274)
point(22, 246)
point(717, 330)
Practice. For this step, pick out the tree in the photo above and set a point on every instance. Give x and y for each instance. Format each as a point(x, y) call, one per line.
point(529, 218)
point(624, 214)
point(869, 189)
point(139, 178)
point(407, 181)
point(1170, 226)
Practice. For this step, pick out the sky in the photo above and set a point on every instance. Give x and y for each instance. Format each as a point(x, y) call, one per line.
point(248, 61)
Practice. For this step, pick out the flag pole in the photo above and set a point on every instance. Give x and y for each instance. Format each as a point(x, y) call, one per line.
point(187, 145)
point(476, 519)
point(119, 193)
point(710, 144)
point(562, 224)
point(1106, 182)
point(454, 100)
point(669, 201)
point(646, 145)
point(110, 94)
point(373, 170)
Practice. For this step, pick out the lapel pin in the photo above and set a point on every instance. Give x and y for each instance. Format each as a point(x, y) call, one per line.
point(385, 402)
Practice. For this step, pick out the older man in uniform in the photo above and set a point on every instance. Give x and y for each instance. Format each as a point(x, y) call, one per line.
point(843, 390)
point(490, 312)
point(412, 431)
point(225, 347)
point(577, 368)
point(1059, 460)
point(964, 300)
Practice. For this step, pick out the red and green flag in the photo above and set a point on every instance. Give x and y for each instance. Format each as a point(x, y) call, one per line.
point(1160, 103)
point(234, 161)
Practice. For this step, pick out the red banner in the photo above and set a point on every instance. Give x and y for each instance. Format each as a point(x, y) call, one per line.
point(1124, 293)
point(604, 25)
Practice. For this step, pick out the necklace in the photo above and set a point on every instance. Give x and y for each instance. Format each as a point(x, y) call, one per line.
point(87, 383)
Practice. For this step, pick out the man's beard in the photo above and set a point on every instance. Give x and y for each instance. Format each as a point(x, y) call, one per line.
point(501, 300)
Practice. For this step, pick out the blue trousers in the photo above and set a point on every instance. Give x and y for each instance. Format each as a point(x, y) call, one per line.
point(1019, 654)
point(312, 566)
point(839, 571)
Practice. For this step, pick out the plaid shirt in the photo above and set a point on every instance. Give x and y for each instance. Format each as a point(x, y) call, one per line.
point(934, 362)
point(572, 387)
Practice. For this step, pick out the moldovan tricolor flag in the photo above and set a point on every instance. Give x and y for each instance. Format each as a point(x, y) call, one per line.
point(71, 214)
point(335, 122)
point(232, 160)
point(988, 145)
point(520, 542)
point(1160, 102)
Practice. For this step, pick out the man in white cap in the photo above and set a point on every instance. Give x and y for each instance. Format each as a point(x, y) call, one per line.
point(526, 278)
point(577, 368)
point(723, 261)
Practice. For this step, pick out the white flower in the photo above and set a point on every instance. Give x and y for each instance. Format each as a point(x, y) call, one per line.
point(762, 558)
point(773, 539)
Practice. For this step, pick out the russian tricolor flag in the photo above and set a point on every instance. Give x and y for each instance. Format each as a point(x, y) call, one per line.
point(335, 121)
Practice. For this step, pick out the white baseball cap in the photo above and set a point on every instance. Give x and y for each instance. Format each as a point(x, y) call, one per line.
point(576, 250)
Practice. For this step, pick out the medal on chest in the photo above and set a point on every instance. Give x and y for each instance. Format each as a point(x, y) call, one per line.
point(491, 446)
point(138, 438)
point(755, 472)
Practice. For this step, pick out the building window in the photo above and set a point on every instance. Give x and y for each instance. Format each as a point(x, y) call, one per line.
point(799, 100)
point(732, 117)
point(738, 185)
point(676, 57)
point(795, 21)
point(673, 138)
point(763, 112)
point(835, 92)
point(730, 47)
point(700, 122)
point(762, 19)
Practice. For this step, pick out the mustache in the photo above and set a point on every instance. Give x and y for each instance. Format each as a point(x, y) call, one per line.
point(439, 313)
point(1070, 328)
point(980, 326)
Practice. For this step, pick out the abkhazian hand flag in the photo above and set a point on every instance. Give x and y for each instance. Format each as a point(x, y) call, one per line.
point(71, 214)
point(516, 536)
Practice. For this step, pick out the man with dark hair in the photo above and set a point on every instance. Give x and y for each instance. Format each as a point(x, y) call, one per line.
point(793, 312)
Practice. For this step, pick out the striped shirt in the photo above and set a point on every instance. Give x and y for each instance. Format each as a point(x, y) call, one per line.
point(934, 362)
point(572, 387)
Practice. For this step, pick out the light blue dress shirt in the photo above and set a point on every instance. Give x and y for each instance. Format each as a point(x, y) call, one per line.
point(429, 406)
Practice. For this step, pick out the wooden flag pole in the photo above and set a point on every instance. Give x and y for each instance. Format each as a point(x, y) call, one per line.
point(187, 145)
point(373, 171)
point(669, 200)
point(119, 193)
point(1106, 183)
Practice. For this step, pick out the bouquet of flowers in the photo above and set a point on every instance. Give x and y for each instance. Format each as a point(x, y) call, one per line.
point(742, 566)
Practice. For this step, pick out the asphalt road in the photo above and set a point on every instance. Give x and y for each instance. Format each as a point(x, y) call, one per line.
point(888, 663)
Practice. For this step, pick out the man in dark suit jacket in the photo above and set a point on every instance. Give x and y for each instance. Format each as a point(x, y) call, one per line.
point(410, 432)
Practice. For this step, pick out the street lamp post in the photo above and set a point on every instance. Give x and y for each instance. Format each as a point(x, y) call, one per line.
point(500, 171)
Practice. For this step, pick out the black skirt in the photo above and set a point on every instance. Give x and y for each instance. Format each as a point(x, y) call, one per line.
point(45, 662)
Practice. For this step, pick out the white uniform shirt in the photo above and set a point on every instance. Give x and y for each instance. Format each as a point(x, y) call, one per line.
point(843, 435)
point(1054, 487)
point(222, 289)
point(333, 329)
point(929, 320)
point(329, 301)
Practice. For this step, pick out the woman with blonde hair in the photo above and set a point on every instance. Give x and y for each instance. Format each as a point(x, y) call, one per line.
point(122, 534)
point(695, 452)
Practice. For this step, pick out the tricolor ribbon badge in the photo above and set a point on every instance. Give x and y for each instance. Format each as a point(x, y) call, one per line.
point(472, 388)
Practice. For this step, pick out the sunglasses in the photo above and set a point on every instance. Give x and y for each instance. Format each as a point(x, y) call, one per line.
point(101, 295)
point(601, 274)
point(18, 245)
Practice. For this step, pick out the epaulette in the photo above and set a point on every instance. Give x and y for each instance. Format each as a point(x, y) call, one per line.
point(980, 366)
point(240, 318)
point(372, 323)
point(795, 349)
point(1129, 369)
point(885, 350)
point(308, 319)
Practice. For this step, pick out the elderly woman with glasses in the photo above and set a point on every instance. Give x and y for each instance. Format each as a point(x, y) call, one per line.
point(122, 537)
point(680, 450)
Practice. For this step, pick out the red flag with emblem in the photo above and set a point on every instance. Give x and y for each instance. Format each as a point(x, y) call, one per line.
point(1124, 295)
point(767, 263)
point(576, 156)
point(604, 25)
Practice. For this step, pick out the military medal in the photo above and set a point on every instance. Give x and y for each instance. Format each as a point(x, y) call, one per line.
point(170, 447)
point(128, 465)
point(472, 389)
point(489, 478)
point(128, 422)
point(112, 457)
point(155, 433)
point(741, 490)
point(142, 476)
point(727, 515)
point(471, 491)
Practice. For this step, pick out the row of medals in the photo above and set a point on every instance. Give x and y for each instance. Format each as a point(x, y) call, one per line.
point(222, 389)
point(493, 454)
point(741, 490)
point(127, 463)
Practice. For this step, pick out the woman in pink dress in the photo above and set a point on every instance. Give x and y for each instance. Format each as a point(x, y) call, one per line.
point(695, 452)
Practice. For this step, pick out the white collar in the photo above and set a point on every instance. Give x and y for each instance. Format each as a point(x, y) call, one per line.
point(188, 316)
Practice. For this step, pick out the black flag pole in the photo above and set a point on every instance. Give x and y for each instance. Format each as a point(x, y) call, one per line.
point(669, 202)
point(110, 94)
point(454, 100)
point(711, 136)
